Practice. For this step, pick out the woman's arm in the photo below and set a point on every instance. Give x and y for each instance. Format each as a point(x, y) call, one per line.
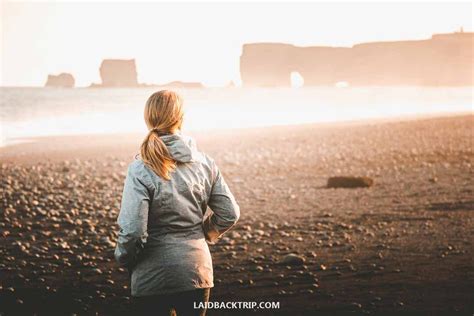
point(133, 219)
point(225, 210)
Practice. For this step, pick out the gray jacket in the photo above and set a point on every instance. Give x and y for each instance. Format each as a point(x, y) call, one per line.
point(163, 232)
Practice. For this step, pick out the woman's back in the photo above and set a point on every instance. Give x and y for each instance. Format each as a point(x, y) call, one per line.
point(181, 201)
point(164, 218)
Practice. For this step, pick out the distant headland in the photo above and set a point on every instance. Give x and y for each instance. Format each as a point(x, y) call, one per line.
point(117, 73)
point(442, 60)
point(123, 73)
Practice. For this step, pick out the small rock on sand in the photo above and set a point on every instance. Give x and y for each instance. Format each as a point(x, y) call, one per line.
point(293, 259)
point(350, 182)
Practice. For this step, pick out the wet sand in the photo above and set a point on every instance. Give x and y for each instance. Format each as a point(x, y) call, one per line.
point(403, 245)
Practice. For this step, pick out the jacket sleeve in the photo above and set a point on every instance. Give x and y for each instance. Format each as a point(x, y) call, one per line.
point(225, 210)
point(132, 219)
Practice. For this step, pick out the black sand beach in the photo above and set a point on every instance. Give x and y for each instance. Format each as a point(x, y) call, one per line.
point(404, 244)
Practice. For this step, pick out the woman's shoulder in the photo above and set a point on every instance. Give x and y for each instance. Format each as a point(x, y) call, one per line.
point(137, 165)
point(138, 169)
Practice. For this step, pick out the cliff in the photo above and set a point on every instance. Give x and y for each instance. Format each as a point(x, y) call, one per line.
point(443, 60)
point(118, 73)
point(63, 80)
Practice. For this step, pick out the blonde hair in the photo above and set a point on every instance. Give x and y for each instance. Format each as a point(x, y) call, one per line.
point(163, 115)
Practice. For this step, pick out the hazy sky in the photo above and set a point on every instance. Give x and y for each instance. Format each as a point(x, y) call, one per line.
point(194, 41)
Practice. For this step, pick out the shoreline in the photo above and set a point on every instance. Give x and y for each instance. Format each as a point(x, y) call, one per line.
point(10, 150)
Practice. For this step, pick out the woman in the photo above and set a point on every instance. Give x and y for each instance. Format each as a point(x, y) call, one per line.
point(163, 233)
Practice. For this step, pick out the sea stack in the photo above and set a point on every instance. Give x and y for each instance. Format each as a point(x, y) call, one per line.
point(63, 80)
point(118, 73)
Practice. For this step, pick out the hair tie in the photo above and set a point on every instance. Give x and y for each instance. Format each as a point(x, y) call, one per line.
point(158, 131)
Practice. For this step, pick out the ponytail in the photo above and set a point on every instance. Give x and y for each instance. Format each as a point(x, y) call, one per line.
point(163, 115)
point(155, 155)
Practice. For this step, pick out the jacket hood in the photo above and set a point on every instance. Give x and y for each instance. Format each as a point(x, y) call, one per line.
point(179, 147)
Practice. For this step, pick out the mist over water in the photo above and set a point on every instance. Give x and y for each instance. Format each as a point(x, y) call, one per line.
point(32, 112)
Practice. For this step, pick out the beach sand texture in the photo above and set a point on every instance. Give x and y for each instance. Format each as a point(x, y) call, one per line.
point(404, 244)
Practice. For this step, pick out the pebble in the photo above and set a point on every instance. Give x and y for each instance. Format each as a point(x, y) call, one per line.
point(293, 260)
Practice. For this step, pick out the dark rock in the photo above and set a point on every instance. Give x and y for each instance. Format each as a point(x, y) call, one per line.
point(293, 260)
point(350, 182)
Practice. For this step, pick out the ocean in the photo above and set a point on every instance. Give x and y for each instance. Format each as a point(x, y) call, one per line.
point(26, 113)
